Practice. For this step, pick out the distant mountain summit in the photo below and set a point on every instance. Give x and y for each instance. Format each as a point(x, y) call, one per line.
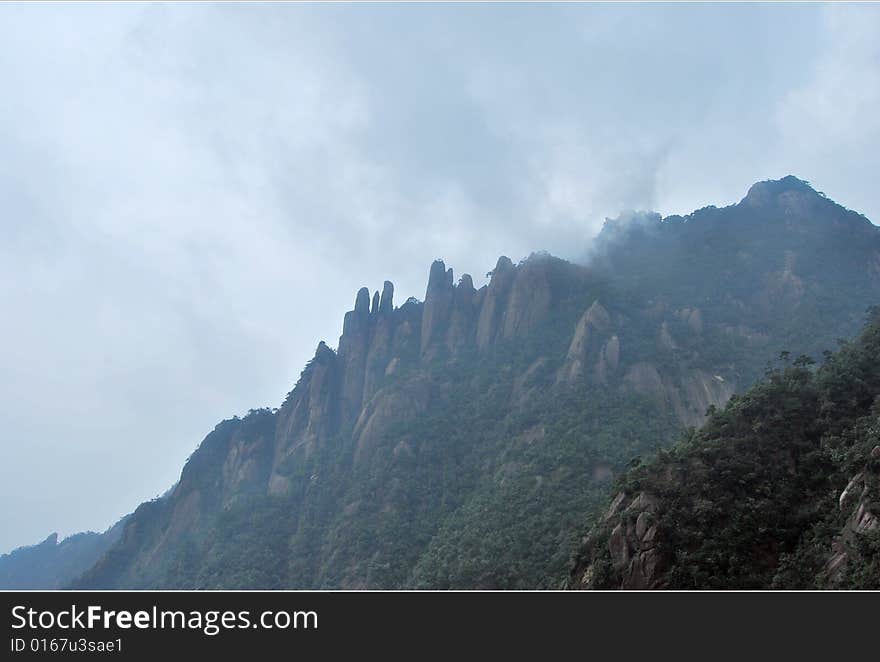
point(762, 192)
point(464, 440)
point(52, 564)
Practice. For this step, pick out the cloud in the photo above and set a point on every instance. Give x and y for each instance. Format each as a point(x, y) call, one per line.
point(192, 194)
point(830, 120)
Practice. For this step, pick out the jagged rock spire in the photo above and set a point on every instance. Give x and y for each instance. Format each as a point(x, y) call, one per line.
point(438, 301)
point(323, 350)
point(386, 304)
point(492, 310)
point(504, 264)
point(362, 302)
point(463, 317)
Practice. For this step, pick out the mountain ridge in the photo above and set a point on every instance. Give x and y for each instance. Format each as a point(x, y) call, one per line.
point(471, 418)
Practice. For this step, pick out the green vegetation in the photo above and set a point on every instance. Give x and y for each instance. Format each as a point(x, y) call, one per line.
point(472, 494)
point(752, 499)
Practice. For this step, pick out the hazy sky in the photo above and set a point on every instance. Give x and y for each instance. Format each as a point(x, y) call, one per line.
point(191, 195)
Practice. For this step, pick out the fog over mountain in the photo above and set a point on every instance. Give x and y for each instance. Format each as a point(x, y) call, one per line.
point(191, 194)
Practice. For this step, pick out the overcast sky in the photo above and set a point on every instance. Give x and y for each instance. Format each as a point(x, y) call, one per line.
point(190, 196)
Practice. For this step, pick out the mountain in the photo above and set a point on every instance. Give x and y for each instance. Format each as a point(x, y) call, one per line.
point(52, 564)
point(780, 489)
point(466, 441)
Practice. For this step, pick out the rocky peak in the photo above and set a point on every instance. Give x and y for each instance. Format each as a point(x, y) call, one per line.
point(466, 283)
point(386, 304)
point(769, 191)
point(463, 315)
point(503, 265)
point(589, 332)
point(362, 301)
point(353, 347)
point(323, 353)
point(531, 298)
point(463, 296)
point(493, 308)
point(791, 198)
point(438, 303)
point(439, 278)
point(597, 317)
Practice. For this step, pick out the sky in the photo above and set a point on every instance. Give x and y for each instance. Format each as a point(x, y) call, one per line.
point(191, 195)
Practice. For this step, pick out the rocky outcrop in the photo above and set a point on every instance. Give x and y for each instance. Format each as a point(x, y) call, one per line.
point(353, 347)
point(609, 360)
point(311, 413)
point(452, 313)
point(632, 545)
point(247, 465)
point(386, 303)
point(492, 311)
point(595, 353)
point(860, 501)
point(463, 319)
point(589, 333)
point(388, 407)
point(332, 393)
point(379, 353)
point(406, 339)
point(438, 305)
point(530, 301)
point(690, 395)
point(516, 303)
point(699, 390)
point(789, 195)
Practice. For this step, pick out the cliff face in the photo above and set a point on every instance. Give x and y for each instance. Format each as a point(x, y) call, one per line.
point(855, 554)
point(632, 547)
point(415, 437)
